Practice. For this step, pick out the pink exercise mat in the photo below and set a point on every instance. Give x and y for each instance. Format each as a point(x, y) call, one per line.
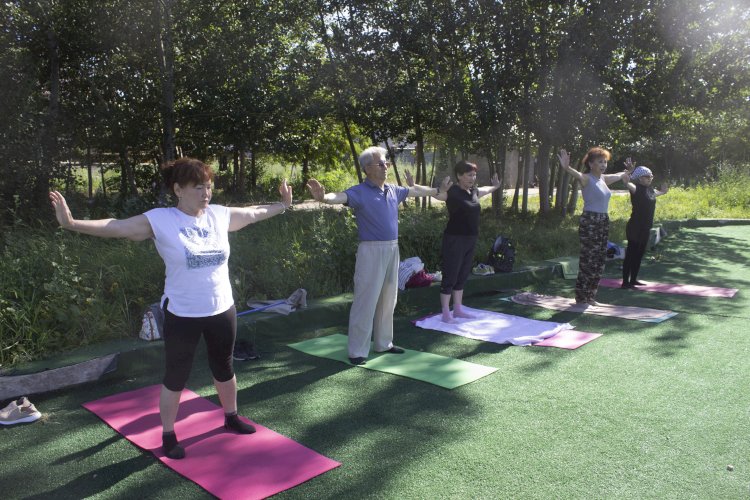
point(697, 290)
point(568, 339)
point(226, 464)
point(568, 304)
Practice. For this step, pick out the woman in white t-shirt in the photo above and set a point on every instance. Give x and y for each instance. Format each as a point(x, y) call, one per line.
point(192, 239)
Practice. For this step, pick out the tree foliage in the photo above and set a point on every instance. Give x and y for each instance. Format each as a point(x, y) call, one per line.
point(314, 82)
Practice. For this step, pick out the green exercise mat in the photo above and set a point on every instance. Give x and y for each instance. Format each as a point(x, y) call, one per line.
point(569, 266)
point(432, 368)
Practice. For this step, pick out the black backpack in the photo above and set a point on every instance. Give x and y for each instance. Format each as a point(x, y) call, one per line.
point(502, 255)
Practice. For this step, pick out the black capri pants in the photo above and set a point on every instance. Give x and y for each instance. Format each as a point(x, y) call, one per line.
point(458, 256)
point(181, 336)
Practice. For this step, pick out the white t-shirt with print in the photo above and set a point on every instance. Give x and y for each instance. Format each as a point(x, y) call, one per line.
point(195, 252)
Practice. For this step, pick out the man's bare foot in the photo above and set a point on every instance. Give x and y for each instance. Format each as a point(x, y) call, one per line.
point(462, 314)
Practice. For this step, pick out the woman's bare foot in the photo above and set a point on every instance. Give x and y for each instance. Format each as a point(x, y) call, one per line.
point(447, 319)
point(462, 314)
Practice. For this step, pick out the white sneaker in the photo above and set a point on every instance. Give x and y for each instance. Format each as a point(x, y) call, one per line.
point(18, 412)
point(483, 270)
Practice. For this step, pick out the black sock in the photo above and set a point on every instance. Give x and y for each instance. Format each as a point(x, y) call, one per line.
point(233, 422)
point(170, 446)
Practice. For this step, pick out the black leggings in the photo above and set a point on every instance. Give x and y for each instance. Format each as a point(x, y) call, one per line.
point(633, 256)
point(458, 255)
point(181, 336)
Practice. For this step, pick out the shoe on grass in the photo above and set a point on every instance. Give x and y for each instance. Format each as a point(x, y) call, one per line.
point(483, 270)
point(244, 351)
point(19, 411)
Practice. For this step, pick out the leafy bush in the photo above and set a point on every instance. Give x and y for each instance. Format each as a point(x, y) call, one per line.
point(60, 290)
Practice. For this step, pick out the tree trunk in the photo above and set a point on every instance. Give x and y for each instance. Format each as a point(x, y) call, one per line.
point(355, 157)
point(127, 175)
point(253, 169)
point(305, 169)
point(573, 200)
point(235, 169)
point(165, 48)
point(241, 185)
point(89, 168)
point(544, 177)
point(498, 197)
point(49, 143)
point(421, 167)
point(527, 160)
point(392, 155)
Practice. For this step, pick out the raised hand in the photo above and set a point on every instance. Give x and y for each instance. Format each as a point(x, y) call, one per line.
point(629, 165)
point(62, 212)
point(495, 181)
point(564, 157)
point(409, 178)
point(316, 189)
point(285, 190)
point(445, 184)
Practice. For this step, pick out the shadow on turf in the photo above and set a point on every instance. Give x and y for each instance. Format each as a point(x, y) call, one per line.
point(97, 481)
point(87, 452)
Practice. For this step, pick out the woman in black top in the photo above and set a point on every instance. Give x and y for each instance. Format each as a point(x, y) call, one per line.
point(460, 236)
point(638, 229)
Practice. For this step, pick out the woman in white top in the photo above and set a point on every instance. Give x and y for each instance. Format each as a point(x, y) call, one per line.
point(192, 239)
point(593, 229)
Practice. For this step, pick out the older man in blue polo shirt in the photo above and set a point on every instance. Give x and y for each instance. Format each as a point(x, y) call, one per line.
point(375, 204)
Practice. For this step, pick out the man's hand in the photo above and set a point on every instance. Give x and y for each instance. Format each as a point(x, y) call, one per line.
point(316, 189)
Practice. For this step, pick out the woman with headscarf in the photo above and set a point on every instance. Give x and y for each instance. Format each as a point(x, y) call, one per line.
point(638, 229)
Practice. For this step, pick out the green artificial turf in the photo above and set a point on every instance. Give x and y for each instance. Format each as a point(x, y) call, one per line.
point(645, 411)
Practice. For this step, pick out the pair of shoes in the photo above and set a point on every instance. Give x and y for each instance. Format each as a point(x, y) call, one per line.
point(394, 350)
point(436, 276)
point(18, 412)
point(483, 270)
point(244, 351)
point(358, 361)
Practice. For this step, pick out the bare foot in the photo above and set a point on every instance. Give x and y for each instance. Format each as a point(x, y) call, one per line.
point(447, 319)
point(462, 314)
point(592, 302)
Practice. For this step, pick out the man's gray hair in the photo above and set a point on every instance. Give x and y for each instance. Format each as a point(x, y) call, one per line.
point(366, 156)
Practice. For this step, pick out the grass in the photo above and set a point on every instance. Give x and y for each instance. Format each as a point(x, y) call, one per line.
point(645, 411)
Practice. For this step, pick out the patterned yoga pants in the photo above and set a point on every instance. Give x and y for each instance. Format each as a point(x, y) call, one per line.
point(593, 232)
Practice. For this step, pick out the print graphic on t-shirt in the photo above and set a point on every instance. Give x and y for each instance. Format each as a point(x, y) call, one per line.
point(202, 247)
